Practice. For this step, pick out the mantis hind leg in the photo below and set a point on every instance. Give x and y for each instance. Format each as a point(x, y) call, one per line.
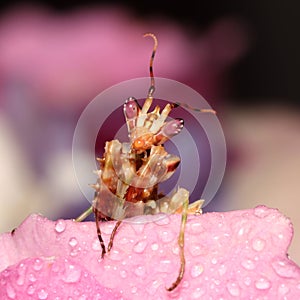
point(181, 245)
point(97, 217)
point(112, 236)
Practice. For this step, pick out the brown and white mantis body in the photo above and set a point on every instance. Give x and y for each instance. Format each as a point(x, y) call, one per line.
point(129, 173)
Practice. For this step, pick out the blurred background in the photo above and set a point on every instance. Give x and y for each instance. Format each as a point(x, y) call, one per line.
point(55, 57)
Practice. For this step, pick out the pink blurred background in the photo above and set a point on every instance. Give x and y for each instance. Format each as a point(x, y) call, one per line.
point(55, 58)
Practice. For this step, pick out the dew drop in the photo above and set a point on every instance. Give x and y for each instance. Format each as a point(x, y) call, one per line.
point(84, 227)
point(72, 274)
point(262, 284)
point(140, 246)
point(153, 287)
point(10, 291)
point(134, 290)
point(42, 294)
point(195, 250)
point(198, 293)
point(166, 236)
point(30, 289)
point(21, 272)
point(75, 252)
point(285, 268)
point(115, 255)
point(222, 270)
point(123, 273)
point(248, 264)
point(138, 228)
point(241, 231)
point(196, 228)
point(247, 281)
point(196, 270)
point(73, 242)
point(185, 284)
point(31, 277)
point(154, 246)
point(261, 211)
point(60, 226)
point(96, 245)
point(140, 271)
point(233, 289)
point(258, 244)
point(163, 221)
point(165, 266)
point(283, 289)
point(55, 267)
point(280, 236)
point(38, 264)
point(214, 261)
point(20, 280)
point(175, 249)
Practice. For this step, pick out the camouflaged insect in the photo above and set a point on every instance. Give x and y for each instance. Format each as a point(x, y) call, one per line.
point(130, 173)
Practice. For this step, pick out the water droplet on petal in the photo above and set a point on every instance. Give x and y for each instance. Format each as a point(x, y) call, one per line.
point(286, 269)
point(163, 221)
point(153, 287)
point(123, 273)
point(196, 270)
point(42, 294)
point(164, 266)
point(280, 236)
point(10, 291)
point(96, 245)
point(31, 277)
point(138, 228)
point(247, 281)
point(248, 264)
point(38, 264)
point(214, 261)
point(262, 284)
point(21, 272)
point(166, 236)
point(222, 270)
point(140, 271)
point(195, 250)
point(73, 242)
point(185, 284)
point(72, 274)
point(115, 254)
point(134, 290)
point(60, 226)
point(198, 293)
point(5, 273)
point(283, 289)
point(258, 244)
point(261, 211)
point(30, 289)
point(233, 289)
point(75, 251)
point(140, 246)
point(196, 228)
point(154, 246)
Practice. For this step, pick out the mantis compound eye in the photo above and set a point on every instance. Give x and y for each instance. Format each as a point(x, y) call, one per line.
point(131, 108)
point(173, 127)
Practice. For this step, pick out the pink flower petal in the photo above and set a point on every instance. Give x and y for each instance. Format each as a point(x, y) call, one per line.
point(237, 254)
point(48, 278)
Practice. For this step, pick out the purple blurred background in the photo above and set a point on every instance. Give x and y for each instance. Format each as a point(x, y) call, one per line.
point(56, 57)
